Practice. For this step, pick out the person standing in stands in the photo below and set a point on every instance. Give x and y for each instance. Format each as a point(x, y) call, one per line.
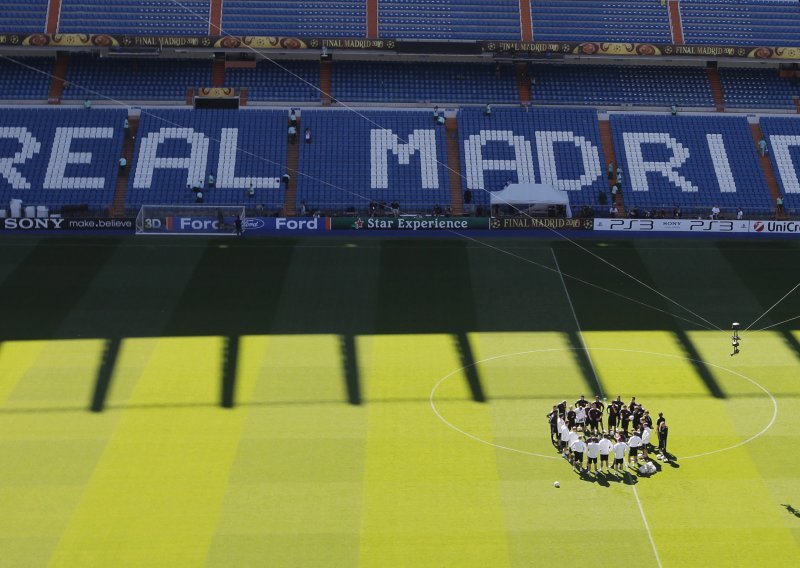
point(122, 163)
point(779, 204)
point(610, 170)
point(293, 118)
point(762, 147)
point(211, 180)
point(308, 136)
point(126, 127)
point(292, 134)
point(87, 104)
point(488, 110)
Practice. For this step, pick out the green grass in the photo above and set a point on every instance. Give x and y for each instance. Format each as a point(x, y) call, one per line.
point(181, 402)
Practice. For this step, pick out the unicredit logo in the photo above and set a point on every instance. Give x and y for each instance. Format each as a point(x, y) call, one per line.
point(758, 226)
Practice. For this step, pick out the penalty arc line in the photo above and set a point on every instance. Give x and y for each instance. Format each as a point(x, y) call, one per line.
point(432, 397)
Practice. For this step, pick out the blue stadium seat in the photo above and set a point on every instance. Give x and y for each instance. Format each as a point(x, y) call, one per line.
point(296, 81)
point(694, 162)
point(373, 155)
point(757, 88)
point(129, 79)
point(153, 17)
point(783, 141)
point(600, 85)
point(29, 16)
point(473, 20)
point(741, 22)
point(25, 78)
point(179, 148)
point(424, 82)
point(609, 20)
point(305, 18)
point(557, 147)
point(63, 156)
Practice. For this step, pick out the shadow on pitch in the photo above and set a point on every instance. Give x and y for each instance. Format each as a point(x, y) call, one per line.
point(792, 510)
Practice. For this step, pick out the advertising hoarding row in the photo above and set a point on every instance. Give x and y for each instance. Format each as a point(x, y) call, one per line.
point(260, 226)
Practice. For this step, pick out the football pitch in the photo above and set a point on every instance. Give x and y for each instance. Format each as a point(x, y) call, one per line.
point(337, 402)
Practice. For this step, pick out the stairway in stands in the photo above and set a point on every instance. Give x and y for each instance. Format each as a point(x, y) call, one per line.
point(215, 20)
point(766, 165)
point(675, 23)
point(454, 165)
point(59, 77)
point(53, 13)
point(525, 20)
point(523, 83)
point(716, 88)
point(611, 156)
point(325, 81)
point(118, 205)
point(218, 71)
point(292, 161)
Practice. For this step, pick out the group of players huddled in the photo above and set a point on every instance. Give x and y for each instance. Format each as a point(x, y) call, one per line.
point(580, 430)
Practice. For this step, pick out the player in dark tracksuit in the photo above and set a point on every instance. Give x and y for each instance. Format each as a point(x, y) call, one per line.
point(625, 417)
point(552, 417)
point(663, 430)
point(613, 416)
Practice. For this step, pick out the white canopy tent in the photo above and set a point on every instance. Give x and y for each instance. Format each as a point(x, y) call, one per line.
point(531, 195)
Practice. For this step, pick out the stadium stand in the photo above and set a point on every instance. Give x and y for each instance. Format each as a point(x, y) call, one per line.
point(271, 82)
point(620, 85)
point(783, 143)
point(741, 22)
point(558, 147)
point(29, 16)
point(20, 82)
point(132, 17)
point(694, 162)
point(179, 148)
point(610, 20)
point(135, 79)
point(474, 20)
point(332, 18)
point(57, 157)
point(757, 88)
point(374, 155)
point(418, 82)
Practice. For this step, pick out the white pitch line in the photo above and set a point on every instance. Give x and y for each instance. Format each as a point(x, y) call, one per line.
point(646, 526)
point(432, 397)
point(578, 325)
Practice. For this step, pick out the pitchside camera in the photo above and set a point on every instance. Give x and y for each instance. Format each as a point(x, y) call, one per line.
point(735, 339)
